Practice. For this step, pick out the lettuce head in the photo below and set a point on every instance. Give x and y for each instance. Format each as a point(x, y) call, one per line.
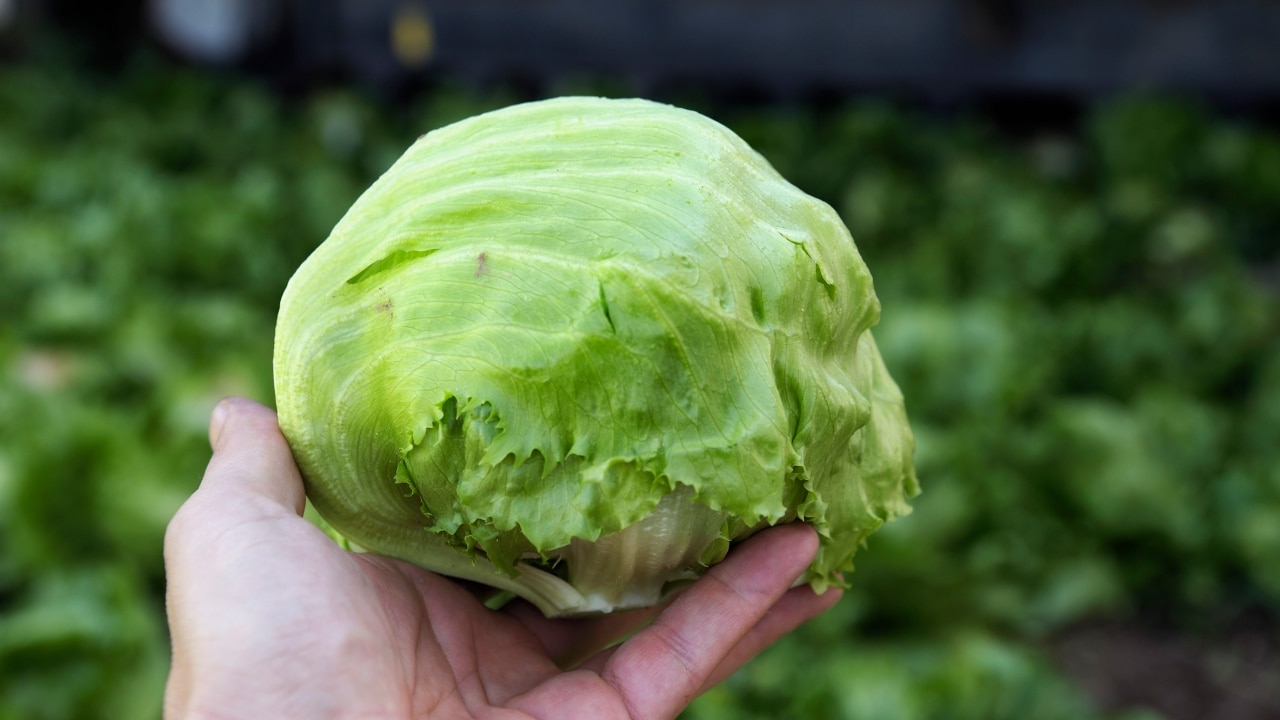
point(576, 348)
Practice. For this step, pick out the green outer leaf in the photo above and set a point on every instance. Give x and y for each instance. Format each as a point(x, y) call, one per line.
point(542, 320)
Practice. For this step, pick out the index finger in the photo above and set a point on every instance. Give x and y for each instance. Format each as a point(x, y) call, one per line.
point(660, 670)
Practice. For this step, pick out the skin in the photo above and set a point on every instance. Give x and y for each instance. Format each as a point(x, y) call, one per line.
point(269, 618)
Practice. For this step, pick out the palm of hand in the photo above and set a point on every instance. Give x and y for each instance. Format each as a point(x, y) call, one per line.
point(271, 619)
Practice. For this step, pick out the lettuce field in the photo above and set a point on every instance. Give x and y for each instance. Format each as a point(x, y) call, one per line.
point(1085, 323)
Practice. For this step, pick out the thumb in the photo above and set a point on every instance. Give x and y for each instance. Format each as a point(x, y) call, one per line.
point(250, 456)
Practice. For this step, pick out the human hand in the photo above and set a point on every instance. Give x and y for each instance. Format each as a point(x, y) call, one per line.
point(269, 618)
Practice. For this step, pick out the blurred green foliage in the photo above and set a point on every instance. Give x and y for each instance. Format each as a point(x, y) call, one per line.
point(1086, 326)
point(1087, 329)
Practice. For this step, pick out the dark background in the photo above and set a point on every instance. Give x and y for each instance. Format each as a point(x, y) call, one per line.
point(943, 51)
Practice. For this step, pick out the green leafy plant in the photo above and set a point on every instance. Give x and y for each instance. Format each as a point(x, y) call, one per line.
point(575, 348)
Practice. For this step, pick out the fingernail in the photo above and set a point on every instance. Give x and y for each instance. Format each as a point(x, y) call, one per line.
point(219, 418)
